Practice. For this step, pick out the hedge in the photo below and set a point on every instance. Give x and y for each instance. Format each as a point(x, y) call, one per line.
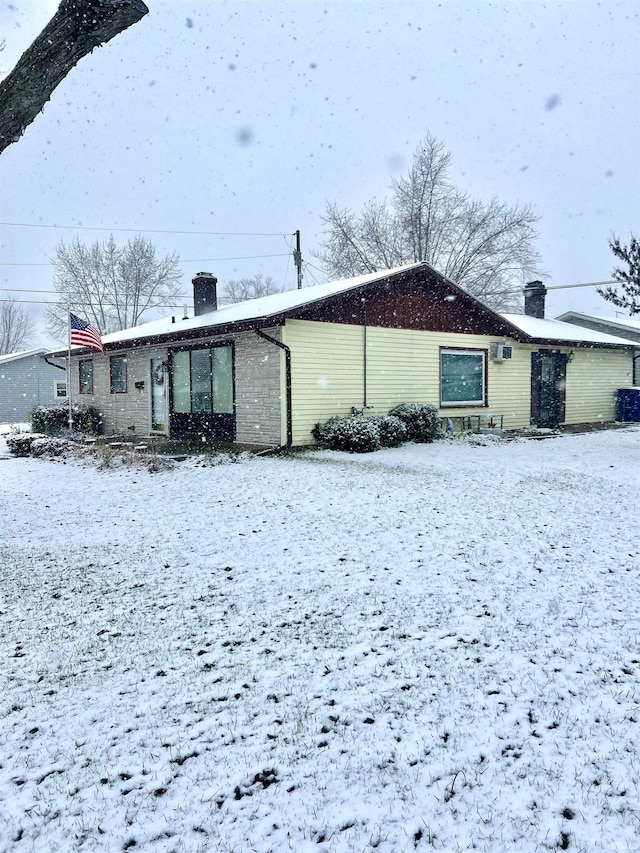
point(54, 419)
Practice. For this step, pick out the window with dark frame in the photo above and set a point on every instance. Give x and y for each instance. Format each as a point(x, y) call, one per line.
point(118, 373)
point(85, 373)
point(463, 377)
point(202, 380)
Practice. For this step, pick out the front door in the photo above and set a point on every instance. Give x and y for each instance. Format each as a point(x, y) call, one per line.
point(158, 395)
point(548, 388)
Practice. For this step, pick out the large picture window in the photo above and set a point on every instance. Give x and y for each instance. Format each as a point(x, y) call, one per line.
point(85, 371)
point(462, 377)
point(202, 381)
point(118, 369)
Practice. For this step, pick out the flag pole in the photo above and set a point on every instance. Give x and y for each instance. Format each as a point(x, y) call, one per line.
point(69, 368)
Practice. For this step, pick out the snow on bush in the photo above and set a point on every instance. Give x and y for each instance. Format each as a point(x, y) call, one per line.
point(420, 419)
point(54, 419)
point(35, 444)
point(393, 431)
point(357, 434)
point(362, 434)
point(20, 444)
point(51, 447)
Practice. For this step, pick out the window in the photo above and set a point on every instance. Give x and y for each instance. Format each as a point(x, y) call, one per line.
point(118, 366)
point(203, 381)
point(462, 377)
point(86, 377)
point(60, 388)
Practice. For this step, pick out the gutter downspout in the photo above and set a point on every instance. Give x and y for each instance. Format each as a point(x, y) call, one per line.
point(52, 364)
point(364, 353)
point(287, 354)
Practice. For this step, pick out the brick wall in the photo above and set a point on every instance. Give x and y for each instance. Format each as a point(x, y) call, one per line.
point(258, 374)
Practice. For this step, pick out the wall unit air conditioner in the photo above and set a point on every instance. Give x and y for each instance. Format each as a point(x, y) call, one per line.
point(501, 352)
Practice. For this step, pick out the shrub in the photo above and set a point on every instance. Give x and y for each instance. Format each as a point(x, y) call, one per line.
point(356, 434)
point(393, 432)
point(323, 433)
point(54, 419)
point(35, 444)
point(50, 447)
point(20, 444)
point(420, 419)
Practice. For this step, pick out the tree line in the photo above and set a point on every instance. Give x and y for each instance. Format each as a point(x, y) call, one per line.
point(486, 247)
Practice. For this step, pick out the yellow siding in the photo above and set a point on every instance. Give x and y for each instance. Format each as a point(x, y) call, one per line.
point(404, 366)
point(593, 377)
point(326, 372)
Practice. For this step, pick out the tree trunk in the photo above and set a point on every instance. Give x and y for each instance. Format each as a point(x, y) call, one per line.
point(75, 30)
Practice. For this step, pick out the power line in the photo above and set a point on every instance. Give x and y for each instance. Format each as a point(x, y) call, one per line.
point(308, 267)
point(182, 261)
point(92, 305)
point(53, 293)
point(151, 230)
point(586, 284)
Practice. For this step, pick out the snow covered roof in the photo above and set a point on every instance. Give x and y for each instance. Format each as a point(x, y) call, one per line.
point(624, 326)
point(266, 308)
point(556, 330)
point(623, 322)
point(263, 308)
point(14, 356)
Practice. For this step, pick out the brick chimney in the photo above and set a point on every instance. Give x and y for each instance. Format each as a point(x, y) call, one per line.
point(205, 296)
point(534, 296)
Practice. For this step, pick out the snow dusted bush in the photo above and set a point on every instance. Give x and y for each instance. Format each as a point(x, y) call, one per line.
point(20, 444)
point(36, 444)
point(420, 419)
point(156, 463)
point(356, 434)
point(393, 432)
point(50, 447)
point(54, 419)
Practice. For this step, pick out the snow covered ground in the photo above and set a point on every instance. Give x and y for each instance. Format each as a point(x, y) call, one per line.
point(434, 647)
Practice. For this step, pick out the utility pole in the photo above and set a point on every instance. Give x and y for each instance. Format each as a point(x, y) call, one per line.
point(297, 259)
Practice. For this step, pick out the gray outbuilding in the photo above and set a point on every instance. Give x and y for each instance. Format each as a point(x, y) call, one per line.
point(27, 380)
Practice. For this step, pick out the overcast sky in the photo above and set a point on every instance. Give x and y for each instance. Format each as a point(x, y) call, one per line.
point(246, 117)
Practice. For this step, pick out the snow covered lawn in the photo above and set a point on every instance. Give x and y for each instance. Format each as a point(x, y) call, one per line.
point(434, 647)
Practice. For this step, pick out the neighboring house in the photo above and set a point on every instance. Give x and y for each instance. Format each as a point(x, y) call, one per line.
point(26, 380)
point(624, 327)
point(263, 372)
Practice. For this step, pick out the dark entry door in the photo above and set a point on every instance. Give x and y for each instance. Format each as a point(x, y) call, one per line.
point(548, 388)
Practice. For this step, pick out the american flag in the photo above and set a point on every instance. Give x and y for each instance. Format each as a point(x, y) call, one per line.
point(83, 334)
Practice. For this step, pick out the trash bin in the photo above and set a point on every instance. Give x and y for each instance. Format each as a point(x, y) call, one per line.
point(629, 404)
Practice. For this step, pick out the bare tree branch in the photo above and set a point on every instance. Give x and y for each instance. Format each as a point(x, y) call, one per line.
point(16, 327)
point(485, 247)
point(75, 30)
point(111, 286)
point(241, 289)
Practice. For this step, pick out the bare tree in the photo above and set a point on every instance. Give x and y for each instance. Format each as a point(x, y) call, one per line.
point(241, 289)
point(485, 247)
point(629, 278)
point(109, 285)
point(16, 327)
point(75, 30)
